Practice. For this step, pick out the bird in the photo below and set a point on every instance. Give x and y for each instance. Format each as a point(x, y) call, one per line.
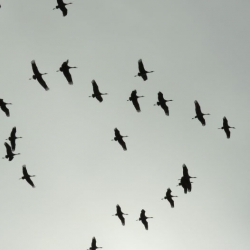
point(97, 94)
point(120, 214)
point(62, 6)
point(142, 72)
point(168, 196)
point(226, 127)
point(185, 172)
point(38, 76)
point(134, 98)
point(26, 176)
point(118, 137)
point(199, 114)
point(9, 155)
point(143, 218)
point(93, 244)
point(186, 184)
point(162, 102)
point(65, 69)
point(4, 108)
point(13, 138)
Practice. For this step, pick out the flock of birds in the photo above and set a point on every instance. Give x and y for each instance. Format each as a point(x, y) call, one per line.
point(185, 180)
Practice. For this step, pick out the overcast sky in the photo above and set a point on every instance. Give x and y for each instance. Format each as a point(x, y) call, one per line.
point(199, 50)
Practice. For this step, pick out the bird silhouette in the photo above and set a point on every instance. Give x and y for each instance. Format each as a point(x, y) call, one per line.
point(168, 196)
point(97, 94)
point(142, 72)
point(199, 114)
point(4, 108)
point(185, 180)
point(118, 137)
point(143, 218)
point(93, 244)
point(65, 69)
point(26, 176)
point(120, 214)
point(162, 102)
point(226, 127)
point(9, 154)
point(38, 76)
point(62, 6)
point(134, 98)
point(13, 138)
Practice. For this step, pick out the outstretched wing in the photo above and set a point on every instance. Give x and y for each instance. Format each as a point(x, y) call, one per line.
point(160, 97)
point(136, 104)
point(64, 10)
point(25, 172)
point(42, 82)
point(197, 108)
point(144, 77)
point(93, 243)
point(120, 216)
point(122, 143)
point(185, 170)
point(171, 201)
point(34, 68)
point(202, 120)
point(165, 108)
point(141, 67)
point(227, 131)
point(5, 110)
point(145, 223)
point(13, 132)
point(95, 88)
point(8, 148)
point(30, 181)
point(68, 76)
point(225, 122)
point(117, 133)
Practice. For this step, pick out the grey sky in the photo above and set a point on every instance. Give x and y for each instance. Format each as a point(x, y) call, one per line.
point(199, 50)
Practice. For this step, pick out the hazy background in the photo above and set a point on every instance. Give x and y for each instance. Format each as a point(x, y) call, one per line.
point(199, 50)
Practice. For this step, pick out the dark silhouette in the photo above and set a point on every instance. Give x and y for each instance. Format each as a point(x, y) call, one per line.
point(65, 69)
point(226, 127)
point(26, 176)
point(120, 214)
point(62, 6)
point(118, 137)
point(162, 102)
point(169, 197)
point(38, 76)
point(199, 114)
point(143, 218)
point(97, 94)
point(13, 138)
point(9, 154)
point(93, 244)
point(142, 72)
point(4, 108)
point(134, 98)
point(185, 180)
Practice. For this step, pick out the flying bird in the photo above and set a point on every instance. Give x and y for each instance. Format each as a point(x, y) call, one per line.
point(93, 244)
point(142, 72)
point(65, 69)
point(120, 214)
point(13, 138)
point(143, 218)
point(9, 154)
point(134, 98)
point(185, 172)
point(226, 127)
point(199, 114)
point(162, 102)
point(38, 76)
point(97, 94)
point(62, 6)
point(4, 108)
point(26, 176)
point(185, 183)
point(118, 137)
point(168, 196)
